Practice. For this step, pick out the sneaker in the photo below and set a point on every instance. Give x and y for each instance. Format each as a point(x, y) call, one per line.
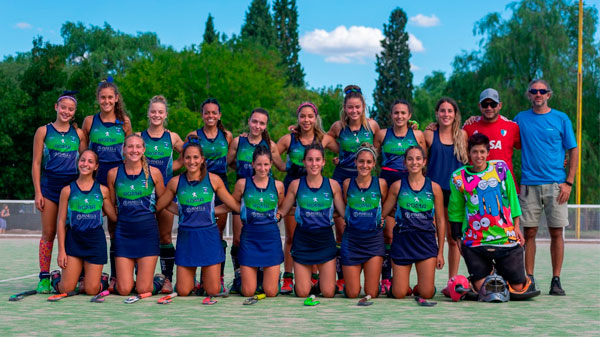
point(80, 286)
point(386, 285)
point(198, 288)
point(340, 286)
point(288, 286)
point(555, 287)
point(104, 281)
point(236, 286)
point(54, 279)
point(532, 281)
point(159, 282)
point(446, 292)
point(167, 287)
point(111, 285)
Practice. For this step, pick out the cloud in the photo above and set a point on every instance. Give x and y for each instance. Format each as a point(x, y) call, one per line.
point(424, 21)
point(415, 45)
point(414, 67)
point(23, 25)
point(343, 45)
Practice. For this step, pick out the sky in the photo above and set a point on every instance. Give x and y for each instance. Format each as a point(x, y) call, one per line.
point(339, 39)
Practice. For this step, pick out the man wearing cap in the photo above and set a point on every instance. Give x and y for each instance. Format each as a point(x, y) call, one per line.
point(502, 132)
point(546, 135)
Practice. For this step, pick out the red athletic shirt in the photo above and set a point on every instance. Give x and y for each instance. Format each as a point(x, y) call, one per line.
point(503, 135)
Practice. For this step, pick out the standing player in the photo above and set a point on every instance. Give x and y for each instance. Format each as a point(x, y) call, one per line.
point(134, 187)
point(160, 144)
point(81, 238)
point(198, 238)
point(315, 197)
point(363, 244)
point(416, 198)
point(56, 147)
point(353, 129)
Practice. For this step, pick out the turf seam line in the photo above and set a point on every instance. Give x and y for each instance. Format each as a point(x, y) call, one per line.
point(18, 278)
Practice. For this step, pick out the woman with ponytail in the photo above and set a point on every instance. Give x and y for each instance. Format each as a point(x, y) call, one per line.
point(198, 239)
point(56, 148)
point(134, 188)
point(160, 144)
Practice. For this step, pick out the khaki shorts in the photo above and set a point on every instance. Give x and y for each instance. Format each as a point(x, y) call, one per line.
point(534, 199)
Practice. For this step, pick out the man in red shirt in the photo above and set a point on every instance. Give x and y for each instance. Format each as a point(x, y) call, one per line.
point(502, 132)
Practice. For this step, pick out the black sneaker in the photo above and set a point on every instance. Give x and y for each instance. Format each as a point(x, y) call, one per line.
point(555, 288)
point(533, 284)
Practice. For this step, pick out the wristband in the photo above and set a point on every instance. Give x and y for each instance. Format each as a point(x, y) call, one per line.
point(568, 183)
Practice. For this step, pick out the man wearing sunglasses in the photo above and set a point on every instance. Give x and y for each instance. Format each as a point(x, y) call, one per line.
point(546, 135)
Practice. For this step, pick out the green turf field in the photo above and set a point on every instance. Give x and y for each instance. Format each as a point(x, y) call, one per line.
point(576, 314)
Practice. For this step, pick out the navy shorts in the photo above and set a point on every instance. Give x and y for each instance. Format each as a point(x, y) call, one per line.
point(199, 247)
point(89, 245)
point(411, 246)
point(508, 261)
point(51, 185)
point(260, 246)
point(223, 177)
point(136, 239)
point(340, 174)
point(313, 246)
point(360, 246)
point(103, 168)
point(391, 177)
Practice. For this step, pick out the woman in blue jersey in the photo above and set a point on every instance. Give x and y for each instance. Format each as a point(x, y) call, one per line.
point(240, 158)
point(362, 244)
point(198, 239)
point(392, 144)
point(160, 145)
point(134, 187)
point(306, 132)
point(260, 240)
point(353, 129)
point(315, 197)
point(417, 240)
point(56, 147)
point(81, 238)
point(447, 151)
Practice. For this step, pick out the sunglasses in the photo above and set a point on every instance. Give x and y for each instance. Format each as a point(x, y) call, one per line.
point(541, 91)
point(486, 104)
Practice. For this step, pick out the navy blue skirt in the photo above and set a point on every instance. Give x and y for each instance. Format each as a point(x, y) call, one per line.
point(359, 246)
point(260, 246)
point(103, 168)
point(391, 177)
point(313, 246)
point(90, 245)
point(199, 247)
point(223, 177)
point(51, 185)
point(136, 239)
point(412, 246)
point(340, 174)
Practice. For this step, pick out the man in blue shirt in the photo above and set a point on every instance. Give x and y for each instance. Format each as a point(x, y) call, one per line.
point(546, 135)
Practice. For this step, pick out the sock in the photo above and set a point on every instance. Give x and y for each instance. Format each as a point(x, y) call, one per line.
point(104, 282)
point(288, 275)
point(234, 258)
point(224, 244)
point(338, 263)
point(386, 269)
point(45, 257)
point(167, 260)
point(113, 267)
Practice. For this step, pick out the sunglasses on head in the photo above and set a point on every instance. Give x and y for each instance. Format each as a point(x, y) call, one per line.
point(541, 91)
point(486, 104)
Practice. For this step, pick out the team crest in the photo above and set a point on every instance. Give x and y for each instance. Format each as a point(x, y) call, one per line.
point(503, 132)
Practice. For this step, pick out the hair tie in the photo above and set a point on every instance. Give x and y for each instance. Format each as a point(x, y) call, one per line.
point(353, 90)
point(191, 141)
point(305, 104)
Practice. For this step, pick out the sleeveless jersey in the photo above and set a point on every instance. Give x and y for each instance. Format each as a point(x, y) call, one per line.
point(314, 206)
point(196, 201)
point(84, 210)
point(441, 162)
point(215, 151)
point(415, 209)
point(243, 157)
point(349, 142)
point(136, 202)
point(295, 154)
point(363, 210)
point(159, 152)
point(61, 151)
point(259, 206)
point(394, 148)
point(106, 139)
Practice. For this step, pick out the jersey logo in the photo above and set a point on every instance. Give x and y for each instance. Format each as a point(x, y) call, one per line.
point(503, 132)
point(495, 145)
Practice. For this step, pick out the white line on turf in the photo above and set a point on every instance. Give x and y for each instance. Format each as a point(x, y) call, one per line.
point(18, 278)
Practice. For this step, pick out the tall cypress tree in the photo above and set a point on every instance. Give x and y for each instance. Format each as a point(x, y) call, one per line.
point(286, 26)
point(258, 25)
point(210, 35)
point(393, 66)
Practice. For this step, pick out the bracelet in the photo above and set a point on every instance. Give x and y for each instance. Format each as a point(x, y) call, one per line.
point(568, 183)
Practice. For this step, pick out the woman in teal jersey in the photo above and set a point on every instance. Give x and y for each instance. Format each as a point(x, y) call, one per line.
point(56, 147)
point(353, 129)
point(260, 240)
point(362, 244)
point(416, 199)
point(160, 145)
point(392, 144)
point(81, 238)
point(134, 187)
point(306, 132)
point(198, 240)
point(315, 197)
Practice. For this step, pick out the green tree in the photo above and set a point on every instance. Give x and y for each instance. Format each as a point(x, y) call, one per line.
point(210, 34)
point(286, 26)
point(258, 25)
point(394, 79)
point(427, 95)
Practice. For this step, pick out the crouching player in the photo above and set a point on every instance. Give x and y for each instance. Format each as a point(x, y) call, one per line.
point(484, 213)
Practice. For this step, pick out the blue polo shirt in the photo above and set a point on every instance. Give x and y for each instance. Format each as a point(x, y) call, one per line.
point(544, 140)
